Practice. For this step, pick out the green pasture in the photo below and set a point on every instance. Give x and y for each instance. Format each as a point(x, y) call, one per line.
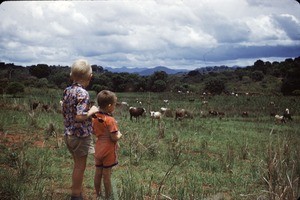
point(206, 157)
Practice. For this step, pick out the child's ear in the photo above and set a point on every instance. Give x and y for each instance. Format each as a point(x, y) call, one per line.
point(109, 105)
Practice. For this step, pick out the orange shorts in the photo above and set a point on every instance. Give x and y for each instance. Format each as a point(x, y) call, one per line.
point(105, 156)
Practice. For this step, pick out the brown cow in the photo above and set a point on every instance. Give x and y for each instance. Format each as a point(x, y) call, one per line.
point(136, 112)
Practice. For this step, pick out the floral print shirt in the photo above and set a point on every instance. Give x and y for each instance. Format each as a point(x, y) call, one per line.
point(76, 102)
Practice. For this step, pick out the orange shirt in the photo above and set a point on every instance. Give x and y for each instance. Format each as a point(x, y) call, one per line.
point(105, 149)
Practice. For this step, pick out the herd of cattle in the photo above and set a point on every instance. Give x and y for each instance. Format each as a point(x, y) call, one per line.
point(179, 114)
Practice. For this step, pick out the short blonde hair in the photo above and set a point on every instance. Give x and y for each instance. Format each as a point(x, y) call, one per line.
point(106, 97)
point(80, 70)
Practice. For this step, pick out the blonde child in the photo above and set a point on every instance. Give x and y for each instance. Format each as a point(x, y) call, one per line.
point(107, 133)
point(77, 121)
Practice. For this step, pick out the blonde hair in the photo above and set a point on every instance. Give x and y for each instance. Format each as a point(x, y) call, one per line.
point(106, 97)
point(80, 70)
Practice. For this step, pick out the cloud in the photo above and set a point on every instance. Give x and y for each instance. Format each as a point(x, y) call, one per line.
point(289, 24)
point(188, 34)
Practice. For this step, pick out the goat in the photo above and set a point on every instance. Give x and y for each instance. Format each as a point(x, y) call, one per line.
point(136, 112)
point(280, 119)
point(213, 112)
point(155, 115)
point(34, 105)
point(166, 101)
point(182, 113)
point(287, 114)
point(245, 114)
point(163, 110)
point(204, 102)
point(122, 105)
point(167, 112)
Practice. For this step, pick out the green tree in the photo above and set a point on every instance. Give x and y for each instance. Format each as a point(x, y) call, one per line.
point(97, 88)
point(42, 83)
point(40, 70)
point(159, 86)
point(15, 88)
point(259, 65)
point(214, 86)
point(291, 83)
point(156, 79)
point(59, 79)
point(257, 75)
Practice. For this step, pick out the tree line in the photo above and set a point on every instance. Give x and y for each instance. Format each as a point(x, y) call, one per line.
point(14, 78)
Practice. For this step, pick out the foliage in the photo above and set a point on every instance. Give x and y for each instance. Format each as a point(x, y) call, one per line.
point(257, 75)
point(215, 86)
point(291, 82)
point(159, 86)
point(59, 78)
point(40, 70)
point(15, 88)
point(241, 79)
point(201, 158)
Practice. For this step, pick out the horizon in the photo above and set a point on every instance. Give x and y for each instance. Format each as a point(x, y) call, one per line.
point(152, 67)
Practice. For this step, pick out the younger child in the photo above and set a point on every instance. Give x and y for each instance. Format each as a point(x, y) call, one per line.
point(107, 133)
point(78, 124)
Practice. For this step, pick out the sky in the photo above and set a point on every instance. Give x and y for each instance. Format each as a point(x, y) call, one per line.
point(178, 34)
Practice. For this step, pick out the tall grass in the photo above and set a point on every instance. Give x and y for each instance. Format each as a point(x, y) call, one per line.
point(199, 158)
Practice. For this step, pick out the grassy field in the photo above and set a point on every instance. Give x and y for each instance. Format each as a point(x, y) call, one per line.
point(207, 157)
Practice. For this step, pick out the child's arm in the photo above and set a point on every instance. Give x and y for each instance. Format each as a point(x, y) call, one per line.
point(92, 111)
point(116, 136)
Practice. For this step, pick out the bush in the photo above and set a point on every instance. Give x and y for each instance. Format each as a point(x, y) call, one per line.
point(257, 75)
point(215, 86)
point(14, 88)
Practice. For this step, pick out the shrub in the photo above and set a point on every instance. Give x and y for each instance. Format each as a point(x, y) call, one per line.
point(257, 75)
point(215, 86)
point(15, 88)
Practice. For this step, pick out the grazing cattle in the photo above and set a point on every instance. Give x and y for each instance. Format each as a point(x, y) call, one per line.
point(213, 112)
point(155, 115)
point(136, 112)
point(34, 105)
point(216, 113)
point(163, 110)
point(279, 119)
point(182, 113)
point(179, 114)
point(138, 102)
point(221, 114)
point(287, 114)
point(122, 105)
point(204, 102)
point(166, 101)
point(167, 112)
point(245, 114)
point(46, 107)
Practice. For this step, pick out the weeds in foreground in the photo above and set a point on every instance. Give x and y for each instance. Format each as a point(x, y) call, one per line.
point(282, 171)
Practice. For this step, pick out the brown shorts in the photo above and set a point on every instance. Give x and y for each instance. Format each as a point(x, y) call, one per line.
point(79, 146)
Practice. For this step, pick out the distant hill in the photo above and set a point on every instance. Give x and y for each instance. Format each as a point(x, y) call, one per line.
point(146, 71)
point(222, 68)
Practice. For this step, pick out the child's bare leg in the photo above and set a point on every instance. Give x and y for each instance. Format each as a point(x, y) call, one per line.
point(107, 182)
point(98, 180)
point(78, 173)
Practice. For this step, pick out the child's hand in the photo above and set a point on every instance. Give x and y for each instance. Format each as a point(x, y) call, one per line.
point(116, 136)
point(93, 110)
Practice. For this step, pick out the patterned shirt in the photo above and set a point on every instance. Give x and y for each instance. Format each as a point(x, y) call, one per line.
point(76, 102)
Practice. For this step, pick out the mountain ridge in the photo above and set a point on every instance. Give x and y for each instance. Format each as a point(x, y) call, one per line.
point(146, 71)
